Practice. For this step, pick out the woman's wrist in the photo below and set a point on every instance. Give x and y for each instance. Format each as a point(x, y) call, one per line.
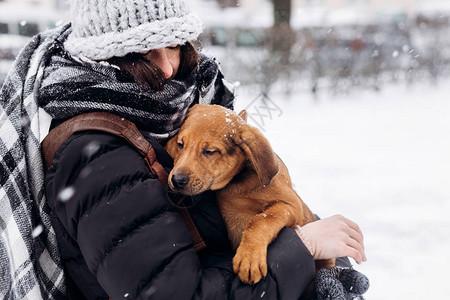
point(305, 239)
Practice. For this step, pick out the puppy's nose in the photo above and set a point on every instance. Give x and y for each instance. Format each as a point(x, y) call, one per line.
point(179, 181)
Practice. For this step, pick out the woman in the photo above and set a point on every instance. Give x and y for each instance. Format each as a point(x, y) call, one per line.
point(116, 231)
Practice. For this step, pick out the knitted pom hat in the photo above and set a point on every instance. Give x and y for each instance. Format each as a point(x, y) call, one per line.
point(106, 28)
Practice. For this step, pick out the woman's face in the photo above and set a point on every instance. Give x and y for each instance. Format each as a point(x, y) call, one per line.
point(167, 59)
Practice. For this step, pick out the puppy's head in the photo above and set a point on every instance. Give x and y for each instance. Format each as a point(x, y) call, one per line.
point(212, 146)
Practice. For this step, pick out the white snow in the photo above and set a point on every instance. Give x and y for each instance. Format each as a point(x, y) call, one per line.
point(37, 231)
point(29, 12)
point(247, 17)
point(66, 194)
point(381, 159)
point(13, 41)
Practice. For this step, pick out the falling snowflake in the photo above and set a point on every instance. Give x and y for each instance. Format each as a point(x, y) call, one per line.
point(66, 194)
point(37, 231)
point(91, 148)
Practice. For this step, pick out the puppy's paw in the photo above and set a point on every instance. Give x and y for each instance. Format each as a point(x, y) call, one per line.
point(250, 264)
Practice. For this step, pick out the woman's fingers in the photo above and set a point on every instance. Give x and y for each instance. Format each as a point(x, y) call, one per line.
point(356, 228)
point(358, 242)
point(356, 249)
point(350, 225)
point(355, 238)
point(358, 237)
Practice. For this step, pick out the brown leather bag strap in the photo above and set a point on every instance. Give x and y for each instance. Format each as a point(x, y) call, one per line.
point(113, 124)
point(107, 122)
point(199, 244)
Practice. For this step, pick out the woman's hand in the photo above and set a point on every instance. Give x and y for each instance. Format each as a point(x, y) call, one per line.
point(333, 237)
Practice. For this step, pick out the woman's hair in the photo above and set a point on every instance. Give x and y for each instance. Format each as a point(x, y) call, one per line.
point(148, 74)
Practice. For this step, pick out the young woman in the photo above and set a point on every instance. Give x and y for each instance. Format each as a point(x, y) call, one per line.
point(116, 230)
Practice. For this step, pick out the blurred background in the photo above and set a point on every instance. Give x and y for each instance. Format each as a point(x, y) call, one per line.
point(354, 97)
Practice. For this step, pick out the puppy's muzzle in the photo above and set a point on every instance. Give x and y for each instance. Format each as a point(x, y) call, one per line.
point(179, 181)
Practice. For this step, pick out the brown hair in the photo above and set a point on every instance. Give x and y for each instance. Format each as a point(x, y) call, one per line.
point(148, 74)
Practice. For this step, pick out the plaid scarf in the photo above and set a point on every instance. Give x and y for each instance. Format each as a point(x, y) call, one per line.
point(44, 76)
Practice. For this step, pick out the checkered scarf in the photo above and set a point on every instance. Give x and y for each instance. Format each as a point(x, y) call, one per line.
point(30, 264)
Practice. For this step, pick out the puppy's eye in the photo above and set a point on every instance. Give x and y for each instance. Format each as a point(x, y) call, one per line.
point(180, 145)
point(209, 152)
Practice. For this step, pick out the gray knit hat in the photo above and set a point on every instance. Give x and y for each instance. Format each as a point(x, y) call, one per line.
point(106, 28)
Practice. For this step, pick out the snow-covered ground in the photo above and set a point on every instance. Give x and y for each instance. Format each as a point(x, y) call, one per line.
point(383, 160)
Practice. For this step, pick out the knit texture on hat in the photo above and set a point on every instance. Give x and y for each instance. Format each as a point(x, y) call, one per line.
point(103, 28)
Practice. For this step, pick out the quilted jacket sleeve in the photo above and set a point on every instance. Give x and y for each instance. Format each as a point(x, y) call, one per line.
point(131, 241)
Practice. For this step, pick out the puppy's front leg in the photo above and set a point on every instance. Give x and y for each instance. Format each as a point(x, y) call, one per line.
point(250, 261)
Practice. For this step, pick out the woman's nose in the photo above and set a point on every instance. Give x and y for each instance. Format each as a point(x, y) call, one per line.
point(160, 57)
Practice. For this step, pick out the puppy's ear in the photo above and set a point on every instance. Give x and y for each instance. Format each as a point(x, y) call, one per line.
point(258, 151)
point(243, 115)
point(172, 146)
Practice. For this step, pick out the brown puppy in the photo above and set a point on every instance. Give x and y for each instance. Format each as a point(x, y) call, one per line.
point(216, 150)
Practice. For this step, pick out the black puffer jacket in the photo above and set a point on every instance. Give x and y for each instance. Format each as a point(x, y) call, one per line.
point(120, 238)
